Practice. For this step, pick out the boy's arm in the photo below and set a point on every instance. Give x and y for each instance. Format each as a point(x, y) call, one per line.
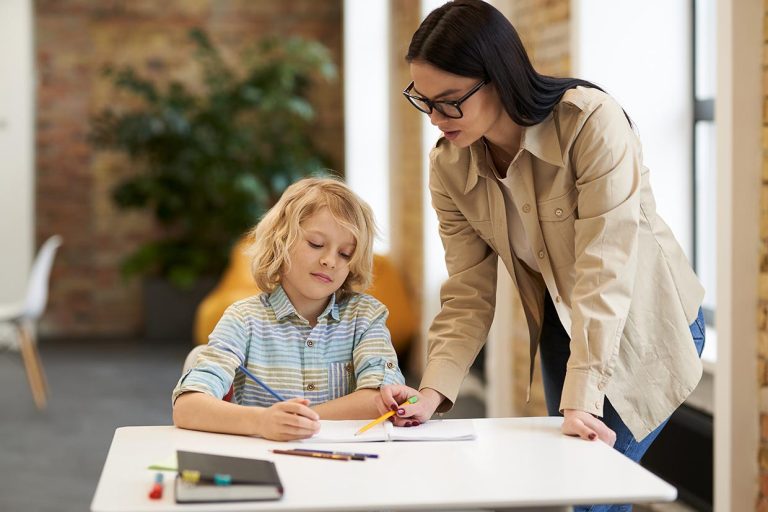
point(283, 421)
point(362, 404)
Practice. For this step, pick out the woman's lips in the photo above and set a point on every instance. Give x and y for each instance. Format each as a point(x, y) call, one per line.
point(450, 135)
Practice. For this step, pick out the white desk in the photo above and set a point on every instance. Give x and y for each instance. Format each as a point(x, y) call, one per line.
point(520, 463)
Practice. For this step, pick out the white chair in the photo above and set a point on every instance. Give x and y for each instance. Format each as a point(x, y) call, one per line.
point(24, 314)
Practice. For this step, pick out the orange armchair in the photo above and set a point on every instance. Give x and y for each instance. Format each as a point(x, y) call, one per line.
point(237, 283)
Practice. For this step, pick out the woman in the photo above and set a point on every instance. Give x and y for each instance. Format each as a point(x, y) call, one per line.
point(547, 174)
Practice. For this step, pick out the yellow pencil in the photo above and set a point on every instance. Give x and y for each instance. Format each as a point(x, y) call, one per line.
point(384, 416)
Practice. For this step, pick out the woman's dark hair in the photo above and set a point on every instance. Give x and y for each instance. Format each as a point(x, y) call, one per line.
point(472, 38)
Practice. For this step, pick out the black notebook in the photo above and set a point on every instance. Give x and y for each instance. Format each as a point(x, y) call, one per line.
point(251, 479)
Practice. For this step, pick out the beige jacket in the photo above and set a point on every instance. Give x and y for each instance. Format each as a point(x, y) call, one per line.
point(620, 282)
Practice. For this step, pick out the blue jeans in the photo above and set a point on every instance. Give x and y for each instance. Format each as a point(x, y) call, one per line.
point(555, 351)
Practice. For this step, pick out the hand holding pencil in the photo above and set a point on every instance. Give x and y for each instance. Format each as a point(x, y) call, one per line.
point(414, 414)
point(287, 419)
point(386, 415)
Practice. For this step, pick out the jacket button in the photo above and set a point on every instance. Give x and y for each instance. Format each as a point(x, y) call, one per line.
point(541, 254)
point(310, 343)
point(559, 212)
point(526, 208)
point(310, 387)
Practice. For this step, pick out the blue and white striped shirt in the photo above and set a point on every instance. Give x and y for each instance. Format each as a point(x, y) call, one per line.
point(348, 349)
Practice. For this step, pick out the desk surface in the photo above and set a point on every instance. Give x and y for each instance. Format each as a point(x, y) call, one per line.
point(513, 463)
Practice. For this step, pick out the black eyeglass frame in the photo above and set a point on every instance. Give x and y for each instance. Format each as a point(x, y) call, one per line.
point(436, 105)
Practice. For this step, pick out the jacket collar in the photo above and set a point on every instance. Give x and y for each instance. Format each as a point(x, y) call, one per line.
point(540, 140)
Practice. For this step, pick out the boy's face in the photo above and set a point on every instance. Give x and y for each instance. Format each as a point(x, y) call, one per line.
point(319, 263)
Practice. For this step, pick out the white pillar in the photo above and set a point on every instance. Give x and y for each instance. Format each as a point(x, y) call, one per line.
point(17, 90)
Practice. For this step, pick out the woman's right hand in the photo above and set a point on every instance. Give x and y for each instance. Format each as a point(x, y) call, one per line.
point(412, 414)
point(285, 421)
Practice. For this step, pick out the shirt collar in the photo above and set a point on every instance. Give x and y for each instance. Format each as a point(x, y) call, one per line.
point(283, 307)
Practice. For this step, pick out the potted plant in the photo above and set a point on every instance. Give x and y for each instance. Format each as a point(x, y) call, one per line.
point(207, 162)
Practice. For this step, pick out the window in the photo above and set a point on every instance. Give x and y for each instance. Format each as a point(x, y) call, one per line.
point(704, 151)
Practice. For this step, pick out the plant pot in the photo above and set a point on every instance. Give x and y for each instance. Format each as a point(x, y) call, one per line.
point(169, 312)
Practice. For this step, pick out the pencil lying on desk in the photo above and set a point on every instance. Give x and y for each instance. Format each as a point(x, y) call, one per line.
point(385, 416)
point(317, 455)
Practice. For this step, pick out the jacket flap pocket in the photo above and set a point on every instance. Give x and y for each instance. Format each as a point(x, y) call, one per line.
point(559, 208)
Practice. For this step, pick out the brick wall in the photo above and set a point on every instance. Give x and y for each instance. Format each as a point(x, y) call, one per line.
point(74, 39)
point(762, 356)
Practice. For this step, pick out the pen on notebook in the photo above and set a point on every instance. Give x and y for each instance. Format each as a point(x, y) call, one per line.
point(386, 415)
point(317, 455)
point(157, 487)
point(261, 383)
point(364, 455)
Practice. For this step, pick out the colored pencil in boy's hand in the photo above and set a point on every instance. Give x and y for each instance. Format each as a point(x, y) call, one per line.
point(385, 416)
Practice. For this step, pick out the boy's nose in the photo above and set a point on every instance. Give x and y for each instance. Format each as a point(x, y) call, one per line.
point(328, 261)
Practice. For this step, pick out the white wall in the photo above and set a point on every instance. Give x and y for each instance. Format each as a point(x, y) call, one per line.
point(435, 272)
point(640, 53)
point(366, 107)
point(17, 87)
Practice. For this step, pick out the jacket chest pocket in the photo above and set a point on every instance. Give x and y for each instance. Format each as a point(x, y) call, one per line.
point(484, 229)
point(557, 217)
point(341, 379)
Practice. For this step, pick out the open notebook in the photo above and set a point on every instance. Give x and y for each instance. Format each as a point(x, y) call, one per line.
point(433, 430)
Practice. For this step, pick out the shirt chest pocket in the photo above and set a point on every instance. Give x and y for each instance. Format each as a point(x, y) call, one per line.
point(341, 379)
point(557, 217)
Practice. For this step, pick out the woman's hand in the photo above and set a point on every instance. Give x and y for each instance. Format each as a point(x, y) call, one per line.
point(410, 415)
point(584, 425)
point(285, 421)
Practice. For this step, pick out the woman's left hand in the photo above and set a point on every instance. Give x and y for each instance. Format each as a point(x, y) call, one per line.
point(584, 425)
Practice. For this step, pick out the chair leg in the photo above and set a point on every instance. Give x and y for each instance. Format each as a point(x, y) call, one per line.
point(33, 366)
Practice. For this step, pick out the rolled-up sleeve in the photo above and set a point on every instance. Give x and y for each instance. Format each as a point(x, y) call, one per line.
point(607, 160)
point(468, 297)
point(374, 357)
point(214, 368)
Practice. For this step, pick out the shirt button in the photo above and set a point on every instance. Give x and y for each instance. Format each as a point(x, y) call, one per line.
point(390, 364)
point(597, 405)
point(559, 212)
point(558, 299)
point(601, 386)
point(348, 367)
point(310, 343)
point(526, 208)
point(310, 387)
point(541, 254)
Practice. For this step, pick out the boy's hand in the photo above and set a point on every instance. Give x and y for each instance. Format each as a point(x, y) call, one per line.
point(410, 415)
point(285, 421)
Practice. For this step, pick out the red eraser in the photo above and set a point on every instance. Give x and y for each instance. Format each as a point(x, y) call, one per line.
point(157, 492)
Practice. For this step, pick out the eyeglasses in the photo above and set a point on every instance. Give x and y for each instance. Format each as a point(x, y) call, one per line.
point(450, 109)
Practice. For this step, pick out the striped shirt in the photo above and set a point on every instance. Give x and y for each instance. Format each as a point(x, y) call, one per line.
point(348, 349)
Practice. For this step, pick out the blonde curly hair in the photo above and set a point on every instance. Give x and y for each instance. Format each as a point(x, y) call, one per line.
point(270, 242)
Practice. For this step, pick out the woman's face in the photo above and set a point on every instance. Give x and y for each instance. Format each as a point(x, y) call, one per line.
point(481, 111)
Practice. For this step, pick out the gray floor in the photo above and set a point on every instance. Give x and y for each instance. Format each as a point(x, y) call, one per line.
point(51, 461)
